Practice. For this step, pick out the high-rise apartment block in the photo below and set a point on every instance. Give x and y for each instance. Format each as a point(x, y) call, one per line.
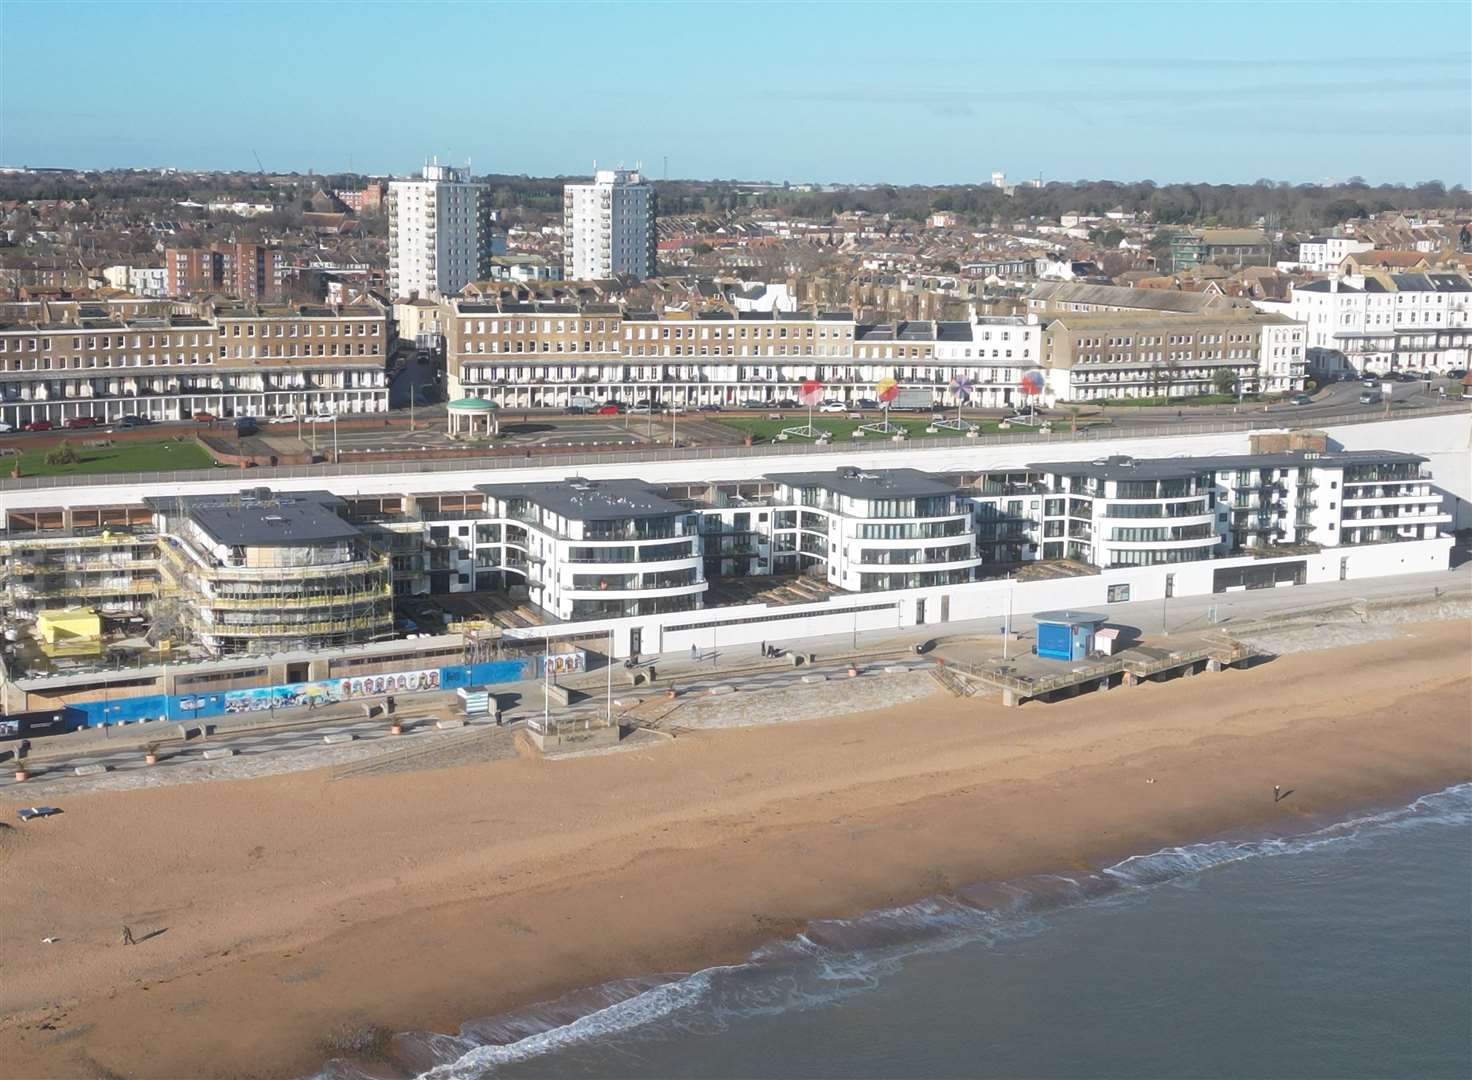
point(608, 227)
point(439, 232)
point(242, 270)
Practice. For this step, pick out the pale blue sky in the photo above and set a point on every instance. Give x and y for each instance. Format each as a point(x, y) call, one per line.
point(906, 93)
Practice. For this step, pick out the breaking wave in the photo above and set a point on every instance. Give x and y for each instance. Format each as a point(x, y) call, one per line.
point(836, 958)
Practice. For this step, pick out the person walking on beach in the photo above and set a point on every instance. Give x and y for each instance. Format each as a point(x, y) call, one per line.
point(128, 936)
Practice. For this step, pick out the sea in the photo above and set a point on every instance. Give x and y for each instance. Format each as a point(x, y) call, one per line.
point(1342, 949)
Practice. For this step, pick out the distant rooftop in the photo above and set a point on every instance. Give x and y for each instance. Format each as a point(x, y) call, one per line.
point(259, 517)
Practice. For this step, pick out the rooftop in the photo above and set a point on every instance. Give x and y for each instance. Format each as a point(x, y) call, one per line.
point(578, 499)
point(1128, 468)
point(258, 517)
point(871, 484)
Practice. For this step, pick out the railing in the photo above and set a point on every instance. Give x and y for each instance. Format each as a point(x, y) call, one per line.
point(707, 453)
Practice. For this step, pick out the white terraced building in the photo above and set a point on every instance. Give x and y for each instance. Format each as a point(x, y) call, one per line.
point(546, 355)
point(1380, 322)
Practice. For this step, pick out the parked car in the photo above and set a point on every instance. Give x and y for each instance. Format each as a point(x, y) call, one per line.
point(1300, 399)
point(1370, 382)
point(1370, 397)
point(1457, 373)
point(709, 408)
point(37, 425)
point(204, 417)
point(610, 409)
point(642, 408)
point(754, 403)
point(284, 418)
point(321, 418)
point(785, 403)
point(6, 428)
point(866, 403)
point(82, 422)
point(134, 421)
point(831, 406)
point(245, 426)
point(674, 409)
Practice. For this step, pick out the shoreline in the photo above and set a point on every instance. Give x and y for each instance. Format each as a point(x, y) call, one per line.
point(424, 900)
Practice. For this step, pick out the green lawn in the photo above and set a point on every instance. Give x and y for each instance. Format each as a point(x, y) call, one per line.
point(1180, 402)
point(842, 429)
point(122, 457)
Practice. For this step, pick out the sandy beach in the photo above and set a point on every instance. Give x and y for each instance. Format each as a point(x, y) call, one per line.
point(278, 914)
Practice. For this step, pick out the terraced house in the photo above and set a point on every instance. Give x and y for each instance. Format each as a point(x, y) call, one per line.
point(225, 358)
point(549, 355)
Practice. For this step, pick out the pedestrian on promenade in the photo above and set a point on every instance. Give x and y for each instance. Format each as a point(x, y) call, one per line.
point(128, 936)
point(694, 653)
point(764, 649)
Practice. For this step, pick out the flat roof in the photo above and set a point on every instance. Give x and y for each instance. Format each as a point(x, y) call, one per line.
point(1070, 617)
point(262, 518)
point(1127, 468)
point(578, 499)
point(869, 484)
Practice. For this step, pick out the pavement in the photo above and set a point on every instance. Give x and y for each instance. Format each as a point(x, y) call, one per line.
point(740, 667)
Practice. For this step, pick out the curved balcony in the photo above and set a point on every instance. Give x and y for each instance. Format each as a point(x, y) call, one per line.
point(632, 566)
point(633, 594)
point(1208, 518)
point(1163, 545)
point(918, 566)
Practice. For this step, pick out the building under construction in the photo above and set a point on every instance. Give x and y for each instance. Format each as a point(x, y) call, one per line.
point(261, 572)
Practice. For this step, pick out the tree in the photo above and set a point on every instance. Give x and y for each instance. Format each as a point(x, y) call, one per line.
point(1225, 381)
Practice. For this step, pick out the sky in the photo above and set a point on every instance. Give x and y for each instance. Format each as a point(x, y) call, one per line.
point(828, 92)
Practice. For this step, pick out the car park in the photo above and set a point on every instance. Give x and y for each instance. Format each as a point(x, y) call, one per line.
point(37, 425)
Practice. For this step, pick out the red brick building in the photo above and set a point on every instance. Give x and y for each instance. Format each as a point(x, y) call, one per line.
point(244, 270)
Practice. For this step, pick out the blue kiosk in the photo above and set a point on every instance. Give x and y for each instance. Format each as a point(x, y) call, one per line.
point(1067, 635)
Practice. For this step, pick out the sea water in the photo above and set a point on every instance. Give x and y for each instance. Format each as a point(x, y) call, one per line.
point(1344, 950)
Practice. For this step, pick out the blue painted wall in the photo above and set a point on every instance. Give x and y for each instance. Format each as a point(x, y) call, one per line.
point(176, 707)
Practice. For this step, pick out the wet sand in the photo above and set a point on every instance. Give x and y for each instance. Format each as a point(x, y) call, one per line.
point(292, 909)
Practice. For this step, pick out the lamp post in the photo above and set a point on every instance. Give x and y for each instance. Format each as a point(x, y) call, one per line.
point(610, 676)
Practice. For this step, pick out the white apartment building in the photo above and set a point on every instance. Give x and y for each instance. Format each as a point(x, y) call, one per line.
point(868, 531)
point(594, 549)
point(439, 228)
point(608, 227)
point(151, 281)
point(1124, 511)
point(1323, 254)
point(1380, 322)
